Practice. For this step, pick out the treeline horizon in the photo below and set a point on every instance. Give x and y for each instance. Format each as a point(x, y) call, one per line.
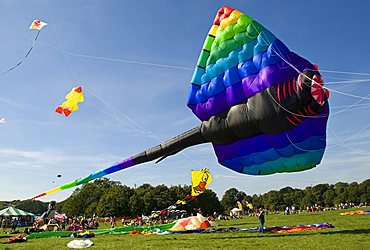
point(104, 197)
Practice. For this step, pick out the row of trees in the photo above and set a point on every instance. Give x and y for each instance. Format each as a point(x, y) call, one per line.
point(109, 198)
point(324, 195)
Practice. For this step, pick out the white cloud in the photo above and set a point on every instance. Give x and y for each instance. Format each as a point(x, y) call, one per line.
point(43, 159)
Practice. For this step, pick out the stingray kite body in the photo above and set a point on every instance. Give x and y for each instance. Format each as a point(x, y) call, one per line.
point(262, 107)
point(260, 112)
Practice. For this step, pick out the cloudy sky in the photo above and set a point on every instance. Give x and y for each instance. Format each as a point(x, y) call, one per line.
point(134, 61)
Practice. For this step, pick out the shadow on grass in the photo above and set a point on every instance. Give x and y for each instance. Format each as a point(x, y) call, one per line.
point(309, 232)
point(354, 231)
point(239, 224)
point(243, 235)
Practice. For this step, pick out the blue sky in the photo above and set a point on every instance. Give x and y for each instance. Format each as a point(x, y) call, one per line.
point(135, 60)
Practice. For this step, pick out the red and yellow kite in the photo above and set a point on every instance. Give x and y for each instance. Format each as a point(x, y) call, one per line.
point(71, 104)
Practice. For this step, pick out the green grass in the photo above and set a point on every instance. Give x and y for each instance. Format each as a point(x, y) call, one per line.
point(350, 232)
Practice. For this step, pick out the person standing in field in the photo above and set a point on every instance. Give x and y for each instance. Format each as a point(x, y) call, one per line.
point(261, 219)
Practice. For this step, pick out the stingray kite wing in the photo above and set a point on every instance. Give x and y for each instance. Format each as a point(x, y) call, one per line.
point(71, 104)
point(263, 107)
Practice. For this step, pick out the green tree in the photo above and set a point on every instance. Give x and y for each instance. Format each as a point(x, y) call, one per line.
point(257, 201)
point(329, 196)
point(318, 192)
point(82, 198)
point(136, 204)
point(341, 192)
point(353, 193)
point(297, 197)
point(287, 195)
point(308, 198)
point(33, 206)
point(230, 198)
point(364, 189)
point(115, 202)
point(208, 202)
point(273, 200)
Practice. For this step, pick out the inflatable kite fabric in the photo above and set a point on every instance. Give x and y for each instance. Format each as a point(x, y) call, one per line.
point(356, 212)
point(263, 107)
point(71, 104)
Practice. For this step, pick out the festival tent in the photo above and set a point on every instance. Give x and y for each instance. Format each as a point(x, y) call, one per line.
point(29, 218)
point(12, 211)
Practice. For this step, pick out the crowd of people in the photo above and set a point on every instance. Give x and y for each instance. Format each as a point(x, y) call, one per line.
point(12, 223)
point(51, 219)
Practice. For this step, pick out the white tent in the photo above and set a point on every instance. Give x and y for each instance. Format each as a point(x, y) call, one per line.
point(12, 211)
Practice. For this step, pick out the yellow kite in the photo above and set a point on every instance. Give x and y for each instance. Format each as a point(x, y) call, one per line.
point(200, 179)
point(73, 98)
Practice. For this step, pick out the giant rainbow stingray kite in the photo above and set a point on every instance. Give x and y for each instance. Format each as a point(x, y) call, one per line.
point(262, 107)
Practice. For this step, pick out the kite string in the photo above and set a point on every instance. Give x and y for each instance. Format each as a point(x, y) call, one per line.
point(111, 106)
point(292, 66)
point(64, 52)
point(342, 142)
point(130, 61)
point(347, 81)
point(161, 65)
point(136, 126)
point(278, 53)
point(299, 148)
point(345, 72)
point(141, 128)
point(25, 56)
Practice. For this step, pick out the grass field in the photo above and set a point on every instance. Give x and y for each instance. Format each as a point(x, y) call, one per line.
point(349, 232)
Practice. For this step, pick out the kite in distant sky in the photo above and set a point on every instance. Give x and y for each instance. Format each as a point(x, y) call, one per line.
point(36, 25)
point(263, 107)
point(71, 104)
point(2, 121)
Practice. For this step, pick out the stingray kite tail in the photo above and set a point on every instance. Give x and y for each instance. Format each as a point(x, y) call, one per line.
point(161, 151)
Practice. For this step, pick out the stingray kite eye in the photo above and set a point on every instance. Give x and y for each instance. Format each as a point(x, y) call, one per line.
point(317, 89)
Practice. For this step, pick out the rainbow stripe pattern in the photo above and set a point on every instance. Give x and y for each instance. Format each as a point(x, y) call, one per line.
point(240, 58)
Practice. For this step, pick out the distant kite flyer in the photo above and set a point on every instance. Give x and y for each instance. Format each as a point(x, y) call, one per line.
point(263, 107)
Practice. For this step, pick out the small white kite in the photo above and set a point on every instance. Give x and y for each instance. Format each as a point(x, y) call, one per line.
point(37, 25)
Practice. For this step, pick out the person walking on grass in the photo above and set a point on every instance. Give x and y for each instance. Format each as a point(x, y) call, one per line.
point(261, 219)
point(4, 224)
